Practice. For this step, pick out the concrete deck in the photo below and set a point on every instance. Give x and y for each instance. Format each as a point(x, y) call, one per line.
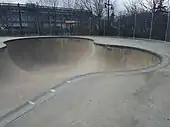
point(138, 98)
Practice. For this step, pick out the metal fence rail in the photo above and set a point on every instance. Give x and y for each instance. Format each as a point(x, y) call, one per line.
point(31, 19)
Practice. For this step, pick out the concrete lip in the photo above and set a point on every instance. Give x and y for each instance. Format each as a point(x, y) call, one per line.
point(75, 57)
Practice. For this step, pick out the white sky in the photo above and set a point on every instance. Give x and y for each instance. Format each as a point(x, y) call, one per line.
point(119, 3)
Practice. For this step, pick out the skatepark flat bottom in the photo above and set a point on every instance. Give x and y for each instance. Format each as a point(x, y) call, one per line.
point(32, 66)
point(102, 100)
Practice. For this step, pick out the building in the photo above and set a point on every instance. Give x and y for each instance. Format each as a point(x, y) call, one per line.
point(34, 19)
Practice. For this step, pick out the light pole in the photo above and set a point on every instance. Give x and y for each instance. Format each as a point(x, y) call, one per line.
point(167, 25)
point(108, 6)
point(20, 19)
point(134, 28)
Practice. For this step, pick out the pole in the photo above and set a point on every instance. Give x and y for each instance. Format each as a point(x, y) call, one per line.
point(49, 22)
point(150, 34)
point(20, 21)
point(61, 22)
point(90, 27)
point(119, 28)
point(55, 23)
point(108, 3)
point(37, 21)
point(167, 25)
point(104, 28)
point(134, 29)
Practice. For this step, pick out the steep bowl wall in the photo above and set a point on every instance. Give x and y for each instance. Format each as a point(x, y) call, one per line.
point(28, 53)
point(39, 53)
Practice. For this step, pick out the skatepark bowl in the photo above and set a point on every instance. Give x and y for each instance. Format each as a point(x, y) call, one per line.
point(31, 66)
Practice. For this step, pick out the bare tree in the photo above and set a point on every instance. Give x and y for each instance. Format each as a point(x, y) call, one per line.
point(4, 1)
point(98, 7)
point(68, 3)
point(167, 2)
point(51, 14)
point(84, 4)
point(52, 3)
point(94, 6)
point(154, 5)
point(133, 6)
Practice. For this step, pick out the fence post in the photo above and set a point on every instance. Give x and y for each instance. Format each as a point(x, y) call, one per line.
point(134, 29)
point(90, 26)
point(37, 21)
point(104, 27)
point(20, 20)
point(49, 22)
point(150, 33)
point(119, 27)
point(55, 23)
point(167, 27)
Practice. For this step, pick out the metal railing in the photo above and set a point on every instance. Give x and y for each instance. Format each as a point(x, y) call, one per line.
point(148, 25)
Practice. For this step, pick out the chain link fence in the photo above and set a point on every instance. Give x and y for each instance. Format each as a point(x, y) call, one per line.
point(143, 25)
point(31, 19)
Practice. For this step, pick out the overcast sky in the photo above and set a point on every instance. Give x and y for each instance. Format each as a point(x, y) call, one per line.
point(119, 3)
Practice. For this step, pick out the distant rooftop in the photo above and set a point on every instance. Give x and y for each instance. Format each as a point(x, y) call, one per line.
point(43, 7)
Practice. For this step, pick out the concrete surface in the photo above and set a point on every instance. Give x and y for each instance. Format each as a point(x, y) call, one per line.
point(132, 89)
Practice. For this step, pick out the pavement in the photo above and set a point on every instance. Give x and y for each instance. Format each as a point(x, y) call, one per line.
point(49, 81)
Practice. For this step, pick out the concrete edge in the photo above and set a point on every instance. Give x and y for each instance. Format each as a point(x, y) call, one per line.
point(159, 56)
